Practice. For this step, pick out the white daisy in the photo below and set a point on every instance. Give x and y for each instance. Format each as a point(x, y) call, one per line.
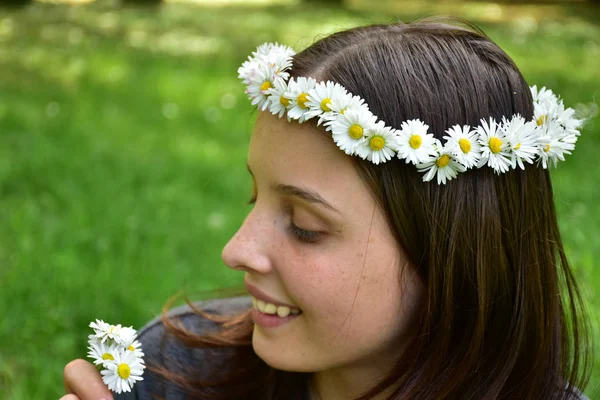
point(277, 56)
point(278, 103)
point(380, 144)
point(136, 347)
point(415, 144)
point(349, 129)
point(247, 69)
point(105, 331)
point(262, 50)
point(320, 100)
point(462, 142)
point(297, 93)
point(568, 141)
point(339, 105)
point(343, 103)
point(543, 114)
point(556, 131)
point(566, 119)
point(543, 96)
point(121, 374)
point(101, 352)
point(554, 144)
point(495, 151)
point(444, 164)
point(522, 139)
point(126, 336)
point(551, 150)
point(99, 326)
point(260, 81)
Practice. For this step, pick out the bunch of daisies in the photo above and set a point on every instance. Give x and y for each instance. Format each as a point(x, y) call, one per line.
point(118, 355)
point(501, 145)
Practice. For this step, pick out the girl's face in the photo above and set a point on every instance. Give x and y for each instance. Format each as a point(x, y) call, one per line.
point(316, 239)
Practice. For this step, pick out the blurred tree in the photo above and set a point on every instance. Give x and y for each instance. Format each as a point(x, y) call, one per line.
point(340, 2)
point(15, 3)
point(141, 2)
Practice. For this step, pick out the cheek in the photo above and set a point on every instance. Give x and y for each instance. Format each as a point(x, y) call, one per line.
point(345, 295)
point(322, 280)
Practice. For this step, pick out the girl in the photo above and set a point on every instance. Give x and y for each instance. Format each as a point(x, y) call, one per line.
point(403, 242)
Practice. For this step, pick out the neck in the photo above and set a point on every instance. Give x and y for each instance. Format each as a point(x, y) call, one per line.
point(344, 384)
point(352, 380)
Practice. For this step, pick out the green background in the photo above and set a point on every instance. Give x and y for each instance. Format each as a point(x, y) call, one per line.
point(123, 136)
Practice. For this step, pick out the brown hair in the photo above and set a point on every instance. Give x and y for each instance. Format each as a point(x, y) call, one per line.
point(503, 317)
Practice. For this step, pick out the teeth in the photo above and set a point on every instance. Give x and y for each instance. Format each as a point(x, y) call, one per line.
point(260, 305)
point(283, 311)
point(268, 308)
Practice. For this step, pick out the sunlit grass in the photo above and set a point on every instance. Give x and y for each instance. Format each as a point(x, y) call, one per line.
point(123, 135)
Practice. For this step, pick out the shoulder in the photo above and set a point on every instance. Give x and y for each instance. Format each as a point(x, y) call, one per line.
point(164, 351)
point(191, 320)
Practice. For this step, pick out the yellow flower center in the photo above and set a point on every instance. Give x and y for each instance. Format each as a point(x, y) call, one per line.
point(324, 105)
point(495, 145)
point(541, 120)
point(302, 99)
point(518, 146)
point(546, 148)
point(465, 145)
point(415, 141)
point(107, 356)
point(124, 371)
point(131, 348)
point(443, 161)
point(265, 86)
point(284, 101)
point(355, 131)
point(343, 110)
point(377, 143)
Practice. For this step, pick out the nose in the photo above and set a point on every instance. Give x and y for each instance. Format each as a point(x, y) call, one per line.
point(248, 249)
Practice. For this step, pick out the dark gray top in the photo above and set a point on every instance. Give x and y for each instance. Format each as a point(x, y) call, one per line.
point(175, 353)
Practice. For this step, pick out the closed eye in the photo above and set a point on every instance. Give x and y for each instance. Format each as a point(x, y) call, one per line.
point(304, 235)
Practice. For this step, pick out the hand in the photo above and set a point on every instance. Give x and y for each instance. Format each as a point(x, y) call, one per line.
point(84, 382)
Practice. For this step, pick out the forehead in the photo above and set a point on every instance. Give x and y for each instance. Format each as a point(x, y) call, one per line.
point(289, 151)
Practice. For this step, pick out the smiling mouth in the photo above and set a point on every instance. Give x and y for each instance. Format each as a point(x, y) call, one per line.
point(272, 309)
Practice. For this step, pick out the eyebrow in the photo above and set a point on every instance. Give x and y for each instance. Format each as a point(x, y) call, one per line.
point(304, 194)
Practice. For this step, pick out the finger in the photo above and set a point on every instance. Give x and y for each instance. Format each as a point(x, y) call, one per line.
point(69, 397)
point(83, 379)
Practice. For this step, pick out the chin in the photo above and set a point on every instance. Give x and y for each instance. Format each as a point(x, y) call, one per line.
point(279, 355)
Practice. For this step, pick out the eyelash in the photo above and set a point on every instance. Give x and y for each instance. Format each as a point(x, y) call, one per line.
point(301, 234)
point(304, 235)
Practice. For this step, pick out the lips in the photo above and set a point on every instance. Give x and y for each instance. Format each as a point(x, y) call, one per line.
point(260, 295)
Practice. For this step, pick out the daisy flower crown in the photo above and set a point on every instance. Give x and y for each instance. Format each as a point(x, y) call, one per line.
point(501, 145)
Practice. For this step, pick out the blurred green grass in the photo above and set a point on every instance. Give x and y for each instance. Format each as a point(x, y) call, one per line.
point(123, 136)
